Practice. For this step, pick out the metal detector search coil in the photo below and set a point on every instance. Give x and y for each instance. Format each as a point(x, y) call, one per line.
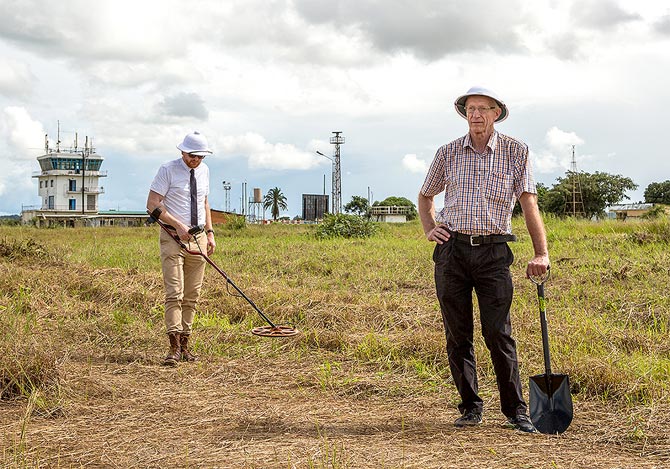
point(276, 331)
point(271, 330)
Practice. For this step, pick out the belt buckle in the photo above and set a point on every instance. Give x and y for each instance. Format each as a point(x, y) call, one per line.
point(472, 242)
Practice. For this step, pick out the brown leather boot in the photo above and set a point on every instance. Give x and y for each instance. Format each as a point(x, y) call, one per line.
point(174, 355)
point(186, 354)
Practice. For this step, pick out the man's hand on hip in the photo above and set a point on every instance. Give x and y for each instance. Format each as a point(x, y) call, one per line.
point(439, 234)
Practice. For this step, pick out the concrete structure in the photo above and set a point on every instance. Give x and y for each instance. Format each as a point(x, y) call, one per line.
point(389, 213)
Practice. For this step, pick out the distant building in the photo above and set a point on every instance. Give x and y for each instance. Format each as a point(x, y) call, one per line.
point(624, 211)
point(314, 206)
point(220, 217)
point(389, 213)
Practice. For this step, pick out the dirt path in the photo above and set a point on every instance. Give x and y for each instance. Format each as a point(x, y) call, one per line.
point(231, 415)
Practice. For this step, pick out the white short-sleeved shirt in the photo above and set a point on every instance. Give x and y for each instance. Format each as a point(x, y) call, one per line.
point(173, 183)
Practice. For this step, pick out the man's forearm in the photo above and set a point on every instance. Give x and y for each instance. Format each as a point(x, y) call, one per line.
point(534, 224)
point(426, 213)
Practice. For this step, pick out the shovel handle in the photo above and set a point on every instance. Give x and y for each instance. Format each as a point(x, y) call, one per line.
point(541, 280)
point(543, 320)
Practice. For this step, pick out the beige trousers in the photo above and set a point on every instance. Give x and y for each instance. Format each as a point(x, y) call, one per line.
point(182, 278)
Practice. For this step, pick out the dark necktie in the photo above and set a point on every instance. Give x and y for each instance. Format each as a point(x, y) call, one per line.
point(194, 199)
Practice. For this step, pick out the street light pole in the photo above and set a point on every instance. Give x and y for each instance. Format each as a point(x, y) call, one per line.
point(332, 187)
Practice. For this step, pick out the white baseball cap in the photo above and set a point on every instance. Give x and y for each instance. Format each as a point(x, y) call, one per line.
point(459, 104)
point(195, 144)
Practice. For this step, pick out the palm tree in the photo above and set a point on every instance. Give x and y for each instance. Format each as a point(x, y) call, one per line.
point(275, 201)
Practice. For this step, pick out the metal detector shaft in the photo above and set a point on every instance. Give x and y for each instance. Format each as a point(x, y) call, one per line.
point(216, 267)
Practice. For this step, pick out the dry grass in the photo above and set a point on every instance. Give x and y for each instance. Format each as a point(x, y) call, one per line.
point(365, 385)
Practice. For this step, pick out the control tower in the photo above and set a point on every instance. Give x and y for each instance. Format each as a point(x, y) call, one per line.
point(67, 181)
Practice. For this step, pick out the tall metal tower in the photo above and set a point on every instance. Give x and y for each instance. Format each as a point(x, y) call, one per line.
point(337, 140)
point(575, 206)
point(226, 196)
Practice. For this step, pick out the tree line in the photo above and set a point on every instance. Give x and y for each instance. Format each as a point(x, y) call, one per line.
point(597, 191)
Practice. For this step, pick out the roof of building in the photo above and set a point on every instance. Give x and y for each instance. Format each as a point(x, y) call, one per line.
point(623, 207)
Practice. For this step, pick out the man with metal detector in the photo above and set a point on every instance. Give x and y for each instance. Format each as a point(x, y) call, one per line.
point(178, 199)
point(482, 175)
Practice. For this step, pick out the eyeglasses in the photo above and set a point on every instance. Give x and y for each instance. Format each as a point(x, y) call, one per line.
point(200, 157)
point(470, 110)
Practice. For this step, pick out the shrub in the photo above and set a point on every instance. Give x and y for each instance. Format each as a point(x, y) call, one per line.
point(345, 226)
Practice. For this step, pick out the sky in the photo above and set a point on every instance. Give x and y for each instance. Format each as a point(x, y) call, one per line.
point(268, 81)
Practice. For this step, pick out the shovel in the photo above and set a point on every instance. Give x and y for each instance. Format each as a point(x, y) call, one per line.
point(550, 399)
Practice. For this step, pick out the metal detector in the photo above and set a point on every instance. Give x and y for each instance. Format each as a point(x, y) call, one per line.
point(550, 400)
point(272, 329)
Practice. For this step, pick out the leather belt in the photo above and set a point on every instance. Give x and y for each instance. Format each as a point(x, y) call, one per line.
point(476, 240)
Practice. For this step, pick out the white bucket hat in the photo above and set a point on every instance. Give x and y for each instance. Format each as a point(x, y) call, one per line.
point(195, 144)
point(459, 104)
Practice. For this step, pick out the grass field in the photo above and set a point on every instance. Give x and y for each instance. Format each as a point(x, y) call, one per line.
point(366, 383)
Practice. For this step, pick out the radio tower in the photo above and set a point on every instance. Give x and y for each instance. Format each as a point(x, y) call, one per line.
point(575, 207)
point(226, 201)
point(337, 140)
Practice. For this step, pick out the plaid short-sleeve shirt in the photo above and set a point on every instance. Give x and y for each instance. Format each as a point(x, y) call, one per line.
point(480, 189)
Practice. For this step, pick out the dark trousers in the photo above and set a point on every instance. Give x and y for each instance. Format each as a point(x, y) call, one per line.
point(460, 268)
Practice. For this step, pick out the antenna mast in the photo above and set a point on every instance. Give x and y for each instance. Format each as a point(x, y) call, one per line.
point(575, 207)
point(226, 202)
point(337, 140)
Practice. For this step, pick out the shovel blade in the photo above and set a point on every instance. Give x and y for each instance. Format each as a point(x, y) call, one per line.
point(550, 403)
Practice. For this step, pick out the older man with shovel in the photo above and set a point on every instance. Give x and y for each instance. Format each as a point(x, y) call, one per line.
point(482, 174)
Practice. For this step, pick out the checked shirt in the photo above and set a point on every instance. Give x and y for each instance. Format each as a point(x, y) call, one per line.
point(480, 189)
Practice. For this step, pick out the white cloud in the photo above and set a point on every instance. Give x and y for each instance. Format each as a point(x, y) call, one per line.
point(18, 133)
point(559, 139)
point(558, 152)
point(16, 78)
point(264, 155)
point(414, 164)
point(118, 30)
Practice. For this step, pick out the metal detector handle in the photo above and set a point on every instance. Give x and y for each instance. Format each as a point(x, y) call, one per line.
point(172, 235)
point(196, 229)
point(543, 320)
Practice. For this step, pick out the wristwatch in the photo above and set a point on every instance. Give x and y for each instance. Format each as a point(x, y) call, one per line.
point(209, 231)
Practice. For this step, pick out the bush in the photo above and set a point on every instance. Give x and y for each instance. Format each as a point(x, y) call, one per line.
point(345, 226)
point(236, 222)
point(656, 211)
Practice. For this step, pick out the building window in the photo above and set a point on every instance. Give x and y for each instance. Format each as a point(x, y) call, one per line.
point(41, 184)
point(72, 186)
point(52, 183)
point(51, 202)
point(73, 204)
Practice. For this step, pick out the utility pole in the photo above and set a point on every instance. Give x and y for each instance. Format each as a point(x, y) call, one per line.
point(84, 155)
point(575, 207)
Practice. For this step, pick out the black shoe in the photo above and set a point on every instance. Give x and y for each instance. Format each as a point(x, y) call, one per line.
point(522, 423)
point(470, 418)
